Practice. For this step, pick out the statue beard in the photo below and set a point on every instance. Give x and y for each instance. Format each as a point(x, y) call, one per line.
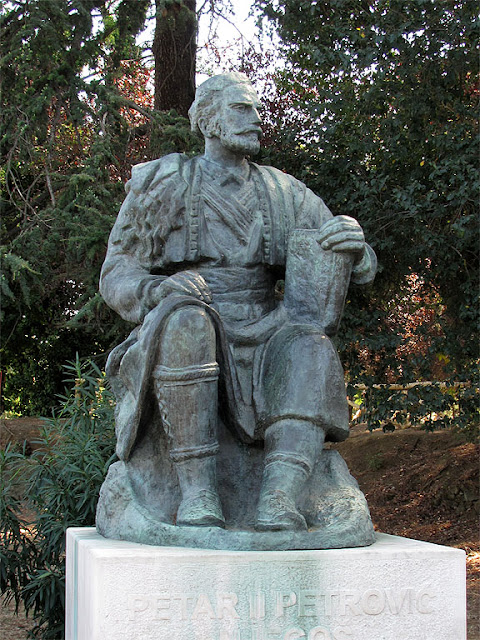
point(246, 143)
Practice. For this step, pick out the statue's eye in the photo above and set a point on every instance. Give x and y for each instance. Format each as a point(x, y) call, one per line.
point(240, 107)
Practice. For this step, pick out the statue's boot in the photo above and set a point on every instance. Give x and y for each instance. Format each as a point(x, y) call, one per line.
point(291, 449)
point(188, 404)
point(200, 505)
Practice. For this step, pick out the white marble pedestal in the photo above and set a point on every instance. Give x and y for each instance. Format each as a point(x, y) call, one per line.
point(397, 589)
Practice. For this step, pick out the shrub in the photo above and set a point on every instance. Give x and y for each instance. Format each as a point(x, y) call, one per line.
point(53, 489)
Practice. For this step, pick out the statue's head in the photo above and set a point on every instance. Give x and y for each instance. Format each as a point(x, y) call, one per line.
point(217, 100)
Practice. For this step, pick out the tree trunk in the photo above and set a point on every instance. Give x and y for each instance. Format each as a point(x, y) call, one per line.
point(174, 50)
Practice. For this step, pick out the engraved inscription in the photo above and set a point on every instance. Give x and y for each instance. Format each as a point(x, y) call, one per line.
point(258, 604)
point(203, 608)
point(307, 604)
point(162, 610)
point(284, 601)
point(279, 615)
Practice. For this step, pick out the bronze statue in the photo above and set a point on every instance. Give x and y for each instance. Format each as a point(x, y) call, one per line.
point(226, 394)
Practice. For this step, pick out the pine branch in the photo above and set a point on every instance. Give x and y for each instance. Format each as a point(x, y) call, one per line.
point(132, 105)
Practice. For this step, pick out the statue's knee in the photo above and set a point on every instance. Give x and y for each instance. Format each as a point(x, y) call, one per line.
point(293, 345)
point(188, 338)
point(188, 319)
point(301, 375)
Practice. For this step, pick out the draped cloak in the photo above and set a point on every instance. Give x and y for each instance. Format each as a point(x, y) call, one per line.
point(182, 214)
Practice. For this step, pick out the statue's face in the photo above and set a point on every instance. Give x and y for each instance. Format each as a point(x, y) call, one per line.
point(239, 121)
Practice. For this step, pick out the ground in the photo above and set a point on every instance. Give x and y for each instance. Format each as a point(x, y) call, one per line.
point(418, 485)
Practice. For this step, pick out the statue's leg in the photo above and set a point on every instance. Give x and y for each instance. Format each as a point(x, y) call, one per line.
point(302, 402)
point(186, 383)
point(291, 450)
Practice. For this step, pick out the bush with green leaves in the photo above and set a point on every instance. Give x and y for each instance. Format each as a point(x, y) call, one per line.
point(432, 406)
point(77, 113)
point(54, 488)
point(376, 111)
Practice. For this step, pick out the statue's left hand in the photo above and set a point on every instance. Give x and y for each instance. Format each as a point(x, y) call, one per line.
point(343, 234)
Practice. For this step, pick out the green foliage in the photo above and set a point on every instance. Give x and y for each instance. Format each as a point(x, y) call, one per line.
point(76, 115)
point(377, 113)
point(14, 271)
point(55, 488)
point(434, 406)
point(172, 133)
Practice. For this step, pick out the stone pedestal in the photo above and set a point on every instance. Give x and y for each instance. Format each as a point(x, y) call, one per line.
point(396, 589)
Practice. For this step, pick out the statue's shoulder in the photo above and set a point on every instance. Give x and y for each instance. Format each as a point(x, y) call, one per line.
point(148, 175)
point(281, 178)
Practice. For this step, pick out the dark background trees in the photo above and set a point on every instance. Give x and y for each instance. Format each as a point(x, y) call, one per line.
point(77, 113)
point(374, 110)
point(385, 95)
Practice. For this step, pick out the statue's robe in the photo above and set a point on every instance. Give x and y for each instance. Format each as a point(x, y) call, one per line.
point(184, 214)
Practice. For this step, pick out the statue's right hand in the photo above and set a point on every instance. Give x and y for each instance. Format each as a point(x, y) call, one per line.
point(185, 283)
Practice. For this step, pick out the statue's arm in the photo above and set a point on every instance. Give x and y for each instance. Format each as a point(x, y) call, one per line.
point(127, 283)
point(129, 288)
point(132, 291)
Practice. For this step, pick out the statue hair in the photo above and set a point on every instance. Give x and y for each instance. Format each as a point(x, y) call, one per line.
point(205, 103)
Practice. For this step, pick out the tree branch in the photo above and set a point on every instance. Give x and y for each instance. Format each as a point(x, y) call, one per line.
point(132, 105)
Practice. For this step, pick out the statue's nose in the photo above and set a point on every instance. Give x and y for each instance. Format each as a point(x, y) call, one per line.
point(256, 117)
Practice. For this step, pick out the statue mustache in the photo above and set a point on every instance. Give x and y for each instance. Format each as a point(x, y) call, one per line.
point(256, 130)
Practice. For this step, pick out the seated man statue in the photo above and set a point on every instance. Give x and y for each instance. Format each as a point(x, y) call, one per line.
point(225, 392)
